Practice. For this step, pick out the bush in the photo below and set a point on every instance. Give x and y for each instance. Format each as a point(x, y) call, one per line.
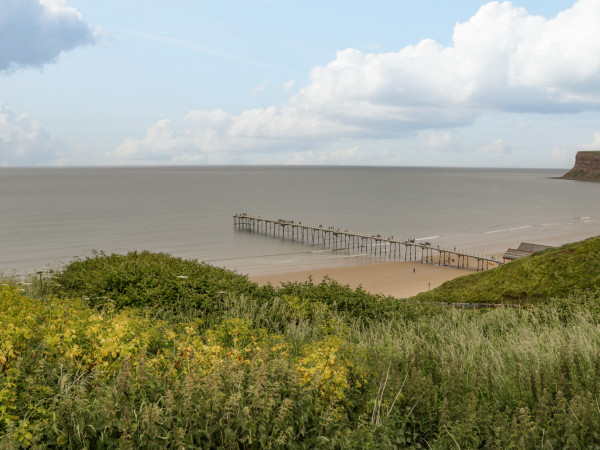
point(71, 376)
point(305, 366)
point(156, 281)
point(355, 303)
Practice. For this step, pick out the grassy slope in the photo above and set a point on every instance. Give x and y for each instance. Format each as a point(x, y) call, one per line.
point(556, 272)
point(581, 175)
point(296, 367)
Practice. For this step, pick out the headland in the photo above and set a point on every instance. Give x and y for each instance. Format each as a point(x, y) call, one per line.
point(586, 168)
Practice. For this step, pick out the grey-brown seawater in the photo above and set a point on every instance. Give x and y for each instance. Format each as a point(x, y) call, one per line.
point(51, 215)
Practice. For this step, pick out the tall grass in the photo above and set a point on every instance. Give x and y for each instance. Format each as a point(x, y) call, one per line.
point(524, 378)
point(308, 366)
point(506, 377)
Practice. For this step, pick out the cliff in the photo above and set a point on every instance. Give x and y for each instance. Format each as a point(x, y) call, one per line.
point(586, 168)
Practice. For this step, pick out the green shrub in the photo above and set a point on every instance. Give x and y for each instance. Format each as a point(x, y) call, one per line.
point(76, 378)
point(302, 366)
point(151, 280)
point(356, 303)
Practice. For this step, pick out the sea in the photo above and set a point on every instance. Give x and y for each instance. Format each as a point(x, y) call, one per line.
point(51, 216)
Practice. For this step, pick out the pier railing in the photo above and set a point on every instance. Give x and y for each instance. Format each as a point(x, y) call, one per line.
point(365, 243)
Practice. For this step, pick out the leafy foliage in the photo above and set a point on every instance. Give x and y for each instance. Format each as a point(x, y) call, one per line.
point(355, 302)
point(303, 366)
point(71, 376)
point(151, 280)
point(74, 377)
point(162, 283)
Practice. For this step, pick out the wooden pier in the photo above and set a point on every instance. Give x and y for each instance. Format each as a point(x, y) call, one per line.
point(364, 243)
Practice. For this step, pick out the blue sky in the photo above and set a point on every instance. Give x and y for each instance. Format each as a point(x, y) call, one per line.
point(430, 83)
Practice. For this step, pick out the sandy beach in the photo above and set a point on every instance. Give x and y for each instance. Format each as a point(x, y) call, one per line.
point(398, 278)
point(390, 278)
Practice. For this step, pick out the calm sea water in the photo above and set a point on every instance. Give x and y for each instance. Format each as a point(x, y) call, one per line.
point(50, 216)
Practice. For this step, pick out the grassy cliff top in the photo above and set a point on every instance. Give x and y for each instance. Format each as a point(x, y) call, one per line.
point(590, 152)
point(556, 272)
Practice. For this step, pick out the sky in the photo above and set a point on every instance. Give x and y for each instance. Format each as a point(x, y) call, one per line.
point(385, 82)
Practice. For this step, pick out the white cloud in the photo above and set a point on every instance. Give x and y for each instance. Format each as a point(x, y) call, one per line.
point(560, 56)
point(288, 85)
point(594, 145)
point(24, 142)
point(562, 156)
point(503, 59)
point(441, 141)
point(497, 147)
point(261, 87)
point(35, 32)
point(343, 156)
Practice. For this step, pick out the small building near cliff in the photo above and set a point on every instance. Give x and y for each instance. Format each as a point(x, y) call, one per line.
point(525, 249)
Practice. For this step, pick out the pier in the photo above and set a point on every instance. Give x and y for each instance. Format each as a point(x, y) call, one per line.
point(387, 247)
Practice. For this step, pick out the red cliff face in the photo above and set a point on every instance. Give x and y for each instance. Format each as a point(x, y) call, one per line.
point(586, 168)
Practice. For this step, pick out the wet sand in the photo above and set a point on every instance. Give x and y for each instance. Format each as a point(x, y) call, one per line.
point(389, 278)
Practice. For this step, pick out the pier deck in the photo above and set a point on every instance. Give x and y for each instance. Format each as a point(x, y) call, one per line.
point(365, 243)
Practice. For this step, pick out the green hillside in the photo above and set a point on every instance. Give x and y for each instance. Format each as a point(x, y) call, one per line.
point(146, 350)
point(556, 272)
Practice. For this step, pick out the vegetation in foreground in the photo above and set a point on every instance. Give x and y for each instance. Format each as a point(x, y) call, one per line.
point(305, 366)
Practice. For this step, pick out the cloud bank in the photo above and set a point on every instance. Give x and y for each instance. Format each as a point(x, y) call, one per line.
point(34, 32)
point(502, 60)
point(23, 142)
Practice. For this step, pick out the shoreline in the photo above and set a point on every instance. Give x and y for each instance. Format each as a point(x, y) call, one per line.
point(379, 275)
point(395, 278)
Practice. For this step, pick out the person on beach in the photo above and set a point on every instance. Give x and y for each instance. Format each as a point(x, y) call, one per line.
point(414, 270)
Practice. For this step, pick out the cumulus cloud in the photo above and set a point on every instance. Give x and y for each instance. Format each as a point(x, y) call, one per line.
point(502, 59)
point(24, 142)
point(594, 145)
point(35, 32)
point(352, 155)
point(496, 147)
point(288, 85)
point(261, 87)
point(441, 141)
point(566, 157)
point(562, 156)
